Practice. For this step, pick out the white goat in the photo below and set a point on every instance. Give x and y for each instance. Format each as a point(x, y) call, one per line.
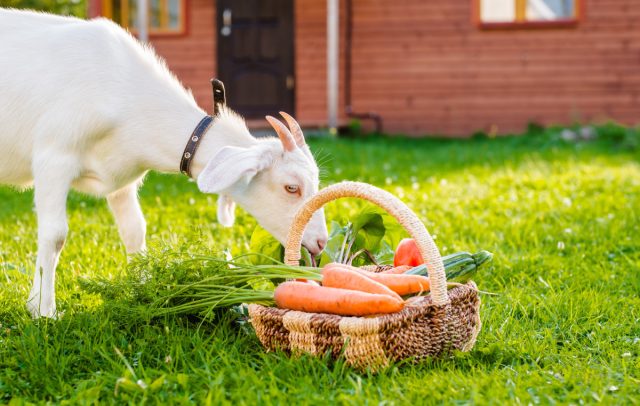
point(83, 105)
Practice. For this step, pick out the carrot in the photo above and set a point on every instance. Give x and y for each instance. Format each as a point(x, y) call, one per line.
point(400, 283)
point(398, 269)
point(335, 277)
point(311, 281)
point(320, 299)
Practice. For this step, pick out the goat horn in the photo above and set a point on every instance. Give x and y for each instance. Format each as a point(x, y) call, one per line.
point(288, 142)
point(295, 129)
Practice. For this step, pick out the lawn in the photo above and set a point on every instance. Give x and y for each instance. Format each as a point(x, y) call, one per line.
point(563, 326)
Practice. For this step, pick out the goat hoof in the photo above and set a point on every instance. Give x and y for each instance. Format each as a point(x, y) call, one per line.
point(40, 310)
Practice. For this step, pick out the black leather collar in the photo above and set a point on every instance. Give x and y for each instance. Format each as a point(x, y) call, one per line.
point(198, 133)
point(193, 143)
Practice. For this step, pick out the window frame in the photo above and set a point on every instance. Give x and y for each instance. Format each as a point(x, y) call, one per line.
point(107, 11)
point(516, 25)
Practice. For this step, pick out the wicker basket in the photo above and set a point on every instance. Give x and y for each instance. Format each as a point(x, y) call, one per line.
point(428, 326)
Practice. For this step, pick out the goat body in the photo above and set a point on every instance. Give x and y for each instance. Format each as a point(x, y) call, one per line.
point(84, 105)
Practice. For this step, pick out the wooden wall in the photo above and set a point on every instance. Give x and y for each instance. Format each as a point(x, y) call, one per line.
point(311, 62)
point(428, 69)
point(192, 56)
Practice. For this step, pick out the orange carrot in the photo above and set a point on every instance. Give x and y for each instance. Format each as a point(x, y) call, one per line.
point(335, 277)
point(320, 299)
point(401, 284)
point(311, 281)
point(398, 269)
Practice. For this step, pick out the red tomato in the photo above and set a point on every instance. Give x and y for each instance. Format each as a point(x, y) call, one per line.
point(407, 253)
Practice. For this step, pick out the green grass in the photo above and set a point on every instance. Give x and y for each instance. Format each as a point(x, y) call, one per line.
point(562, 220)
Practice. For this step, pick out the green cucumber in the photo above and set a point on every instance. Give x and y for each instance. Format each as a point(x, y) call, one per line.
point(459, 263)
point(459, 267)
point(481, 257)
point(456, 256)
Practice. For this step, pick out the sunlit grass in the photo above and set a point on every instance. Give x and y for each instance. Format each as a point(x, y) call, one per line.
point(561, 219)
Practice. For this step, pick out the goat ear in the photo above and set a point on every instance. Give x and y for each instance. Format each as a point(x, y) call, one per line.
point(232, 164)
point(226, 210)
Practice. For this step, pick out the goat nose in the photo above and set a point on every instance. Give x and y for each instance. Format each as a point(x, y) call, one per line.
point(322, 242)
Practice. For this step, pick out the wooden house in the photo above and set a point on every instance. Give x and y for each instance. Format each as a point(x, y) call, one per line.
point(417, 66)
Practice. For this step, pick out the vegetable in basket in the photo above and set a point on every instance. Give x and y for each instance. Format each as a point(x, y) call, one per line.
point(407, 253)
point(338, 277)
point(306, 297)
point(459, 267)
point(402, 284)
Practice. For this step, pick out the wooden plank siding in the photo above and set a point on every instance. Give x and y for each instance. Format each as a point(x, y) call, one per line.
point(192, 56)
point(427, 68)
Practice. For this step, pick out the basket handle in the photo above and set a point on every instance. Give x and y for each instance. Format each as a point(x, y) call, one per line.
point(393, 206)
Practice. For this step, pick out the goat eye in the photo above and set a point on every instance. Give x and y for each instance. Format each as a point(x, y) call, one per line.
point(292, 188)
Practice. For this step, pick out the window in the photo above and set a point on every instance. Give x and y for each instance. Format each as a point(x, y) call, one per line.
point(514, 13)
point(165, 16)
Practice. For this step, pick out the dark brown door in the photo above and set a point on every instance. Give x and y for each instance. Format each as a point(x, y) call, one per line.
point(255, 55)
